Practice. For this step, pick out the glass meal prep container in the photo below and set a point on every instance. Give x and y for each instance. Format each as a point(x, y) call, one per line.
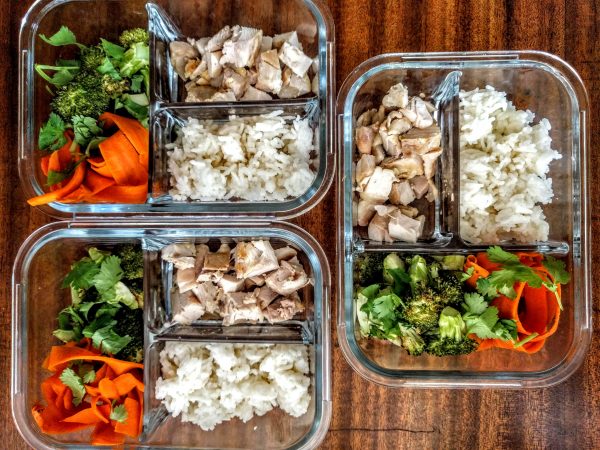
point(169, 20)
point(551, 89)
point(46, 257)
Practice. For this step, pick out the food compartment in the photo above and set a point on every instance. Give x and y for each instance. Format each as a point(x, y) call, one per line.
point(278, 303)
point(275, 429)
point(428, 157)
point(249, 53)
point(49, 254)
point(245, 159)
point(544, 154)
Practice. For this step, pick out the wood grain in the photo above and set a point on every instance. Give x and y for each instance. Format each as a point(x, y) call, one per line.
point(367, 416)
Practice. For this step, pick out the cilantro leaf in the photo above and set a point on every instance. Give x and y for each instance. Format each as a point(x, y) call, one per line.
point(74, 382)
point(119, 413)
point(474, 303)
point(136, 83)
point(63, 74)
point(113, 50)
point(108, 341)
point(483, 321)
point(110, 273)
point(485, 288)
point(52, 134)
point(87, 373)
point(556, 269)
point(467, 274)
point(107, 68)
point(85, 128)
point(499, 256)
point(82, 274)
point(64, 36)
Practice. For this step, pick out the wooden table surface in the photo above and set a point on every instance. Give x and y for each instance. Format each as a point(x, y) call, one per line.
point(367, 416)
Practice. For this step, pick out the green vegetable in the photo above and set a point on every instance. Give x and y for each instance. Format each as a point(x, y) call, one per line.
point(52, 134)
point(411, 340)
point(391, 262)
point(482, 320)
point(62, 37)
point(91, 58)
point(135, 59)
point(451, 262)
point(84, 96)
point(423, 309)
point(130, 322)
point(134, 36)
point(85, 128)
point(115, 88)
point(118, 413)
point(451, 336)
point(74, 382)
point(125, 296)
point(63, 74)
point(368, 269)
point(132, 261)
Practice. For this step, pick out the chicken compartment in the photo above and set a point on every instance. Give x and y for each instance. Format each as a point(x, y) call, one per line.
point(275, 430)
point(194, 291)
point(212, 181)
point(421, 206)
point(180, 31)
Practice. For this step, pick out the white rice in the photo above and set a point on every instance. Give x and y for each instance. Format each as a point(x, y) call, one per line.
point(208, 384)
point(504, 161)
point(258, 158)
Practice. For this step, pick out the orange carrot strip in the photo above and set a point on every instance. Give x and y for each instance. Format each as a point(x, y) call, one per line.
point(100, 412)
point(122, 194)
point(49, 421)
point(61, 354)
point(530, 259)
point(108, 389)
point(134, 413)
point(104, 434)
point(126, 382)
point(103, 171)
point(73, 183)
point(478, 271)
point(85, 416)
point(135, 132)
point(96, 183)
point(123, 161)
point(44, 163)
point(484, 261)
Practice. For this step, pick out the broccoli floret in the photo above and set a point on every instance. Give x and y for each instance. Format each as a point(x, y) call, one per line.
point(84, 96)
point(92, 58)
point(422, 309)
point(114, 88)
point(130, 322)
point(450, 337)
point(450, 288)
point(411, 340)
point(133, 36)
point(132, 261)
point(368, 269)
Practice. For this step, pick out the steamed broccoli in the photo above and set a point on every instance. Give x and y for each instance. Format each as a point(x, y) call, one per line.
point(134, 36)
point(450, 337)
point(368, 269)
point(91, 58)
point(114, 88)
point(422, 309)
point(132, 261)
point(450, 288)
point(411, 340)
point(84, 96)
point(130, 322)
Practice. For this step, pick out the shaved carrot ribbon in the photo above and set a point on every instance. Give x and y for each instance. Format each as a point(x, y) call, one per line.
point(116, 383)
point(534, 310)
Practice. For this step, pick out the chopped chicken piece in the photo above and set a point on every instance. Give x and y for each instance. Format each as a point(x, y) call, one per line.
point(366, 118)
point(429, 160)
point(180, 52)
point(213, 65)
point(227, 96)
point(364, 139)
point(379, 186)
point(404, 228)
point(420, 185)
point(182, 256)
point(258, 280)
point(293, 85)
point(266, 44)
point(265, 296)
point(217, 261)
point(200, 44)
point(253, 94)
point(405, 167)
point(396, 123)
point(409, 114)
point(378, 229)
point(283, 309)
point(185, 279)
point(230, 283)
point(216, 42)
point(254, 258)
point(193, 69)
point(242, 49)
point(209, 296)
point(287, 279)
point(188, 308)
point(197, 94)
point(240, 307)
point(391, 142)
point(286, 253)
point(402, 193)
point(295, 59)
point(378, 151)
point(269, 72)
point(421, 140)
point(424, 119)
point(409, 211)
point(201, 251)
point(397, 97)
point(235, 82)
point(365, 167)
point(290, 37)
point(365, 212)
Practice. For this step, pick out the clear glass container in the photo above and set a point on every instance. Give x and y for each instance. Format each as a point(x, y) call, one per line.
point(46, 257)
point(168, 20)
point(537, 81)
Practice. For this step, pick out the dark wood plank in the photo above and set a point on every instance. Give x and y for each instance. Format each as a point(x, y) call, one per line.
point(367, 416)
